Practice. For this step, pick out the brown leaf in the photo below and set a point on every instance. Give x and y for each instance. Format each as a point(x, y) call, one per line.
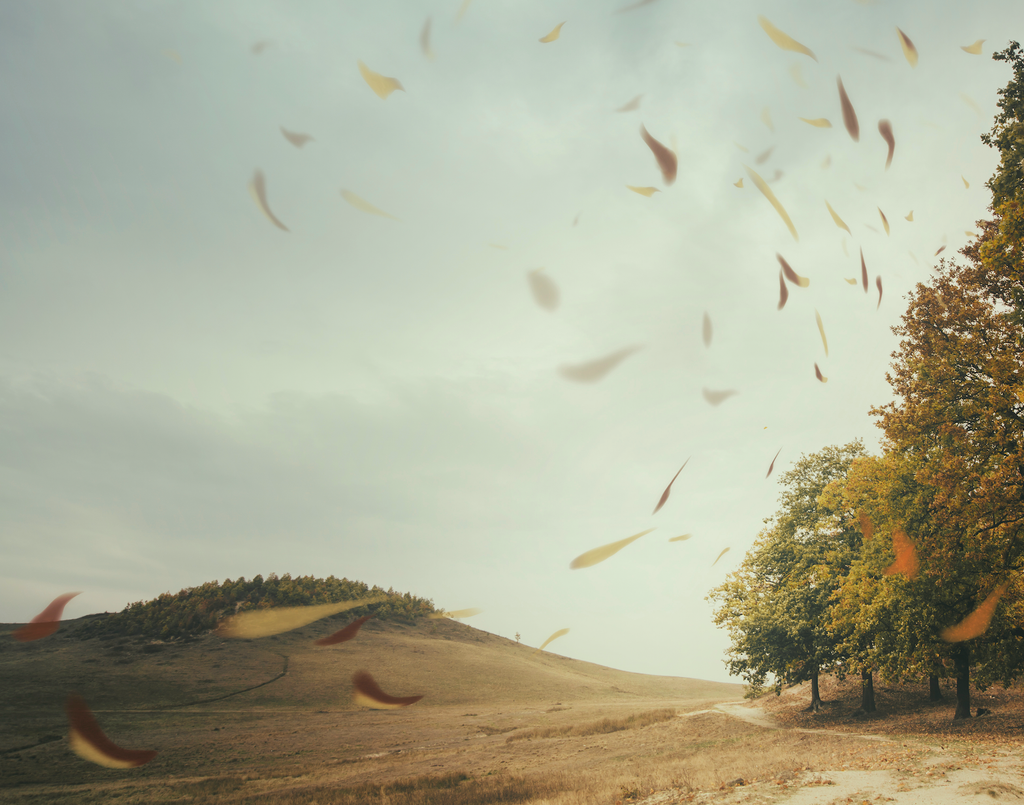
point(46, 622)
point(726, 550)
point(632, 105)
point(763, 156)
point(878, 284)
point(906, 556)
point(259, 47)
point(849, 116)
point(791, 275)
point(89, 743)
point(718, 397)
point(425, 40)
point(863, 271)
point(545, 292)
point(664, 495)
point(940, 251)
point(666, 158)
point(367, 693)
point(977, 622)
point(783, 292)
point(258, 191)
point(819, 375)
point(866, 526)
point(909, 216)
point(772, 465)
point(298, 140)
point(344, 634)
point(885, 221)
point(706, 332)
point(597, 555)
point(908, 48)
point(885, 129)
point(595, 370)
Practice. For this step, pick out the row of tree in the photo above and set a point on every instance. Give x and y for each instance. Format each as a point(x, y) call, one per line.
point(871, 559)
point(196, 610)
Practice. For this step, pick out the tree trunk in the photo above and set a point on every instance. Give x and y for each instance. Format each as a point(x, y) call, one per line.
point(962, 660)
point(815, 698)
point(934, 691)
point(867, 691)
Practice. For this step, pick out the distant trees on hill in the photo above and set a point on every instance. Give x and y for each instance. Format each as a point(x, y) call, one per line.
point(196, 610)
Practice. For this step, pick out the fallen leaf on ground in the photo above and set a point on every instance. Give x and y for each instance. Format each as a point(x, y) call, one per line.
point(89, 743)
point(364, 205)
point(664, 495)
point(852, 281)
point(380, 84)
point(738, 184)
point(555, 33)
point(598, 555)
point(46, 622)
point(766, 191)
point(665, 157)
point(367, 693)
point(344, 634)
point(849, 116)
point(784, 40)
point(966, 183)
point(593, 371)
point(941, 249)
point(258, 191)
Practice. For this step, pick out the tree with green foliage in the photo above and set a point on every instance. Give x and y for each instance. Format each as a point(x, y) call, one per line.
point(776, 605)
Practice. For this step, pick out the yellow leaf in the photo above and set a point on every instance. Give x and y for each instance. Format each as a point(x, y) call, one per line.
point(680, 538)
point(364, 205)
point(908, 48)
point(593, 371)
point(551, 37)
point(644, 191)
point(457, 613)
point(885, 221)
point(380, 84)
point(762, 185)
point(264, 623)
point(598, 555)
point(839, 221)
point(739, 183)
point(852, 282)
point(819, 122)
point(978, 621)
point(258, 191)
point(794, 70)
point(726, 550)
point(910, 216)
point(821, 329)
point(555, 636)
point(766, 118)
point(974, 49)
point(783, 40)
point(966, 183)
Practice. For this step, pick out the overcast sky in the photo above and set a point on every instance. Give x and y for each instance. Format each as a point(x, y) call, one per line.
point(189, 393)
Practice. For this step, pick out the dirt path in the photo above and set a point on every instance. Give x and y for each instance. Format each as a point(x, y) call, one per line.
point(946, 777)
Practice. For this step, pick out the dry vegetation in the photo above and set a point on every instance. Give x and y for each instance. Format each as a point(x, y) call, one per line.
point(498, 724)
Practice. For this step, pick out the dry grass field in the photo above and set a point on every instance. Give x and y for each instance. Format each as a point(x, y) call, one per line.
point(271, 721)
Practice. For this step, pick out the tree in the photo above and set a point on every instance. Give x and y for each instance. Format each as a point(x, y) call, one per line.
point(775, 605)
point(1007, 133)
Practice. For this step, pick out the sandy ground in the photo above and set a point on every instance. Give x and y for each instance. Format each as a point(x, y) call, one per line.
point(942, 777)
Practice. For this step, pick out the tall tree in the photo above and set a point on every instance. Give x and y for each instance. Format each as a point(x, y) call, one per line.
point(775, 605)
point(1007, 134)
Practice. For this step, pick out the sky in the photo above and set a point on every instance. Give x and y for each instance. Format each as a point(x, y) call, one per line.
point(189, 392)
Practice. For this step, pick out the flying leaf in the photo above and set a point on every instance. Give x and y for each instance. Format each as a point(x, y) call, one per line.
point(885, 221)
point(827, 161)
point(364, 205)
point(644, 191)
point(726, 550)
point(635, 5)
point(885, 129)
point(718, 397)
point(551, 37)
point(593, 371)
point(784, 41)
point(633, 104)
point(544, 290)
point(783, 292)
point(941, 249)
point(978, 621)
point(819, 375)
point(971, 103)
point(173, 54)
point(878, 284)
point(739, 183)
point(871, 53)
point(742, 148)
point(819, 122)
point(457, 613)
point(498, 246)
point(266, 622)
point(974, 49)
point(664, 495)
point(89, 743)
point(844, 248)
point(966, 183)
point(706, 332)
point(870, 227)
point(763, 156)
point(794, 70)
point(462, 9)
point(367, 693)
point(839, 221)
point(46, 622)
point(908, 48)
point(683, 44)
point(821, 329)
point(258, 191)
point(298, 140)
point(380, 84)
point(863, 271)
point(666, 158)
point(768, 194)
point(555, 636)
point(910, 216)
point(849, 116)
point(912, 257)
point(425, 40)
point(766, 118)
point(791, 275)
point(343, 634)
point(259, 47)
point(852, 282)
point(772, 465)
point(680, 538)
point(906, 556)
point(598, 555)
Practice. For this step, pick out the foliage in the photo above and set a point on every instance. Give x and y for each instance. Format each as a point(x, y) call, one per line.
point(195, 610)
point(1008, 131)
point(775, 606)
